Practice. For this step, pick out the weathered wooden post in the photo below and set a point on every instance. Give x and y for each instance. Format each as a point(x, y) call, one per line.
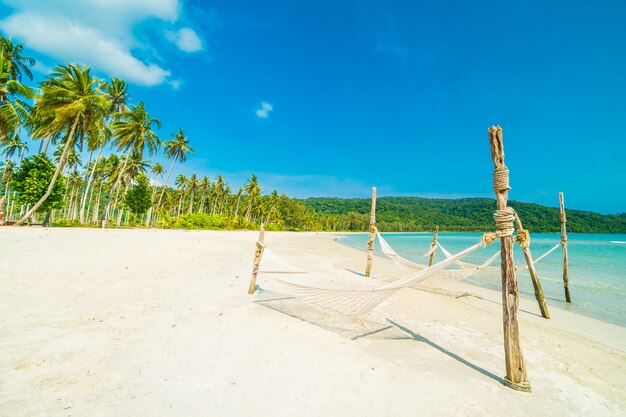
point(564, 245)
point(258, 254)
point(370, 242)
point(523, 238)
point(433, 245)
point(504, 217)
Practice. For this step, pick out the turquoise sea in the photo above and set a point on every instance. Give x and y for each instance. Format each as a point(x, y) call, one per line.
point(597, 267)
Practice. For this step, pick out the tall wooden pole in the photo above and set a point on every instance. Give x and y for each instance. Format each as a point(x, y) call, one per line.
point(433, 245)
point(260, 247)
point(523, 238)
point(564, 245)
point(370, 242)
point(504, 216)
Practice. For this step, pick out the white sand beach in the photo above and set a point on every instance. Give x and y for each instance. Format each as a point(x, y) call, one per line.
point(159, 323)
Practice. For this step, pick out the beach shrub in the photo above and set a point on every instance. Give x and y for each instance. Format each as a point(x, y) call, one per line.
point(66, 223)
point(138, 199)
point(31, 181)
point(198, 221)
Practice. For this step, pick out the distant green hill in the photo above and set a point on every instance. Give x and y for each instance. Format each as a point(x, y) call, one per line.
point(404, 214)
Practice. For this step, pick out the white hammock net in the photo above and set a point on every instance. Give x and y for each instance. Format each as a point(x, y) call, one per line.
point(358, 301)
point(443, 276)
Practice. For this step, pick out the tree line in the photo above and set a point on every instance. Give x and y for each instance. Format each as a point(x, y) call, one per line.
point(409, 214)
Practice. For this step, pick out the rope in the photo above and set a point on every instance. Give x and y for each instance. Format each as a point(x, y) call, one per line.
point(501, 179)
point(523, 238)
point(504, 221)
point(517, 386)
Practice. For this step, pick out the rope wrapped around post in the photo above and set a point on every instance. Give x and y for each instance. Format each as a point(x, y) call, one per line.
point(504, 217)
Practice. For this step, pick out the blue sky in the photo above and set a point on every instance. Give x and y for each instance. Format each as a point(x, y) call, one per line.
point(328, 98)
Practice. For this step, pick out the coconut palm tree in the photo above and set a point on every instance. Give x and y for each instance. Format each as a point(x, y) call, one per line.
point(177, 150)
point(117, 95)
point(13, 109)
point(14, 145)
point(158, 170)
point(181, 183)
point(253, 191)
point(133, 131)
point(70, 97)
point(205, 184)
point(20, 64)
point(192, 186)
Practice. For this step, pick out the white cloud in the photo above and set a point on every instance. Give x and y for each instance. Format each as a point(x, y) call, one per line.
point(186, 40)
point(99, 33)
point(264, 111)
point(175, 84)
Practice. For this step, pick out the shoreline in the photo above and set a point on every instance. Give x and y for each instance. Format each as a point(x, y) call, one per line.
point(158, 322)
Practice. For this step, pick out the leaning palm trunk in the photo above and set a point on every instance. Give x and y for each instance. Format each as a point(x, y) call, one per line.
point(166, 180)
point(117, 185)
point(66, 151)
point(89, 182)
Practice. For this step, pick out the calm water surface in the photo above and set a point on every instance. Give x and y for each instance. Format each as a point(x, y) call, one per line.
point(597, 267)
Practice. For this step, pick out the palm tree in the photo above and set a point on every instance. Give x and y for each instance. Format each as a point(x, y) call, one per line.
point(218, 191)
point(205, 184)
point(253, 191)
point(158, 170)
point(181, 182)
point(72, 160)
point(177, 150)
point(192, 186)
point(13, 109)
point(70, 97)
point(14, 145)
point(20, 64)
point(133, 130)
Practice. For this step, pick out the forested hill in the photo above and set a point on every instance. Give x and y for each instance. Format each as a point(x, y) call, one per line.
point(403, 214)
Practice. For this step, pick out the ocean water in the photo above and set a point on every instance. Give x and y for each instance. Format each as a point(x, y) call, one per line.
point(597, 267)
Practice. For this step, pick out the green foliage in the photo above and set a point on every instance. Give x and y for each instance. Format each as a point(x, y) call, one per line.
point(138, 198)
point(198, 221)
point(66, 223)
point(31, 181)
point(406, 214)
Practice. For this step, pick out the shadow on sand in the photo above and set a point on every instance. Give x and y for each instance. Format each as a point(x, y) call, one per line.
point(445, 351)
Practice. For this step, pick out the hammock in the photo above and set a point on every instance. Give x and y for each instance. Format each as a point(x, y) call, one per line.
point(465, 272)
point(354, 302)
point(494, 273)
point(271, 263)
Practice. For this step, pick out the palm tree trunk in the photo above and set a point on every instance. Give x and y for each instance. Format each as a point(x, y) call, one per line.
point(121, 212)
point(191, 202)
point(66, 151)
point(117, 182)
point(45, 147)
point(180, 204)
point(166, 180)
point(84, 200)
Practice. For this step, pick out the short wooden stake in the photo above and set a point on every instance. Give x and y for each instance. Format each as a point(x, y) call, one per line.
point(525, 244)
point(433, 245)
point(564, 245)
point(515, 368)
point(370, 242)
point(258, 254)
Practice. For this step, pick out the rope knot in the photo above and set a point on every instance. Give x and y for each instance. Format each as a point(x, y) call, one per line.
point(523, 238)
point(501, 179)
point(504, 221)
point(488, 239)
